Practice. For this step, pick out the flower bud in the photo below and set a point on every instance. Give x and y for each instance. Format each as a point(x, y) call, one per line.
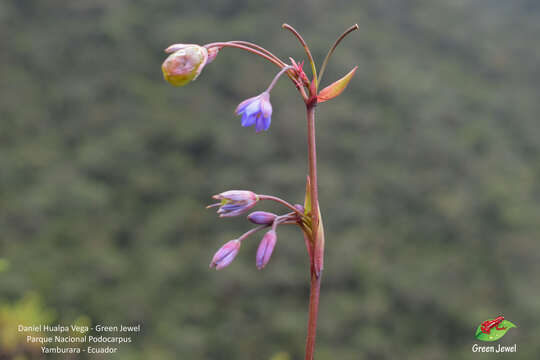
point(262, 217)
point(184, 64)
point(226, 254)
point(266, 247)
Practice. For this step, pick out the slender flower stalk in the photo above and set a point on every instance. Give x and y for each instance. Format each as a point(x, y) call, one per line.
point(184, 65)
point(331, 51)
point(282, 202)
point(306, 49)
point(273, 60)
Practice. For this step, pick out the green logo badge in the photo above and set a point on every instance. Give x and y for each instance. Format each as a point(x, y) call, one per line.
point(493, 329)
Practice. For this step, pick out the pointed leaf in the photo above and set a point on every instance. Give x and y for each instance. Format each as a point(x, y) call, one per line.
point(318, 256)
point(307, 201)
point(336, 88)
point(494, 334)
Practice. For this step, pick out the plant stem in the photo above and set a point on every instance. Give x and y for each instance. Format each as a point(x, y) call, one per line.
point(313, 314)
point(262, 52)
point(331, 51)
point(276, 78)
point(308, 52)
point(273, 60)
point(260, 48)
point(252, 231)
point(315, 278)
point(281, 201)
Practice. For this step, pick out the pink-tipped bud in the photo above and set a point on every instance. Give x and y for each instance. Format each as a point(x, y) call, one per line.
point(262, 217)
point(226, 254)
point(266, 247)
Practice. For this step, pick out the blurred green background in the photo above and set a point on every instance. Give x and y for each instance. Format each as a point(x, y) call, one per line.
point(429, 177)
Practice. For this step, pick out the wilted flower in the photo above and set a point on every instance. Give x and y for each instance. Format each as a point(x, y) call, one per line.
point(226, 254)
point(235, 202)
point(262, 217)
point(266, 247)
point(184, 64)
point(256, 111)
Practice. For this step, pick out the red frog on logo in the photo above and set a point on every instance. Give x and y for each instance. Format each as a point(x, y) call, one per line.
point(489, 324)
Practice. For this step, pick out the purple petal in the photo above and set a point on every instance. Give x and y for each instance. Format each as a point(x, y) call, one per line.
point(242, 106)
point(267, 121)
point(225, 255)
point(253, 108)
point(266, 106)
point(248, 120)
point(265, 249)
point(262, 124)
point(237, 195)
point(226, 261)
point(259, 124)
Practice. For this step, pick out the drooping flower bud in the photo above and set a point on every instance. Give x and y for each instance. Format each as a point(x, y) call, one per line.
point(235, 202)
point(262, 217)
point(226, 254)
point(184, 64)
point(266, 247)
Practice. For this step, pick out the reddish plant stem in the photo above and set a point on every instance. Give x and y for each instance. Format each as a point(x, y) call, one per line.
point(273, 60)
point(315, 279)
point(308, 53)
point(281, 201)
point(260, 48)
point(313, 314)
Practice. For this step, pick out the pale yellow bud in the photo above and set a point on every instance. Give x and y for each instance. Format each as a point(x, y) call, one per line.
point(185, 64)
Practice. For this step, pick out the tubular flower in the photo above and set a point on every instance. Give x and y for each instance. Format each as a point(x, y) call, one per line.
point(235, 202)
point(256, 111)
point(226, 254)
point(266, 247)
point(184, 64)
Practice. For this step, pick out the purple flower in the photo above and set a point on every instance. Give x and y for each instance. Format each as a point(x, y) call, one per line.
point(266, 247)
point(235, 202)
point(226, 254)
point(256, 111)
point(262, 217)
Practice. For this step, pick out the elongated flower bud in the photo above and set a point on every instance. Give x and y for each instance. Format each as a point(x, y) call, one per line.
point(226, 254)
point(266, 247)
point(262, 217)
point(184, 64)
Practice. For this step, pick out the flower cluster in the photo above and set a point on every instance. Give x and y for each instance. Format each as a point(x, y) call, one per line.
point(237, 202)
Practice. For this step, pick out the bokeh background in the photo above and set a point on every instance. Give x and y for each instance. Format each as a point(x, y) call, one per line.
point(429, 177)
